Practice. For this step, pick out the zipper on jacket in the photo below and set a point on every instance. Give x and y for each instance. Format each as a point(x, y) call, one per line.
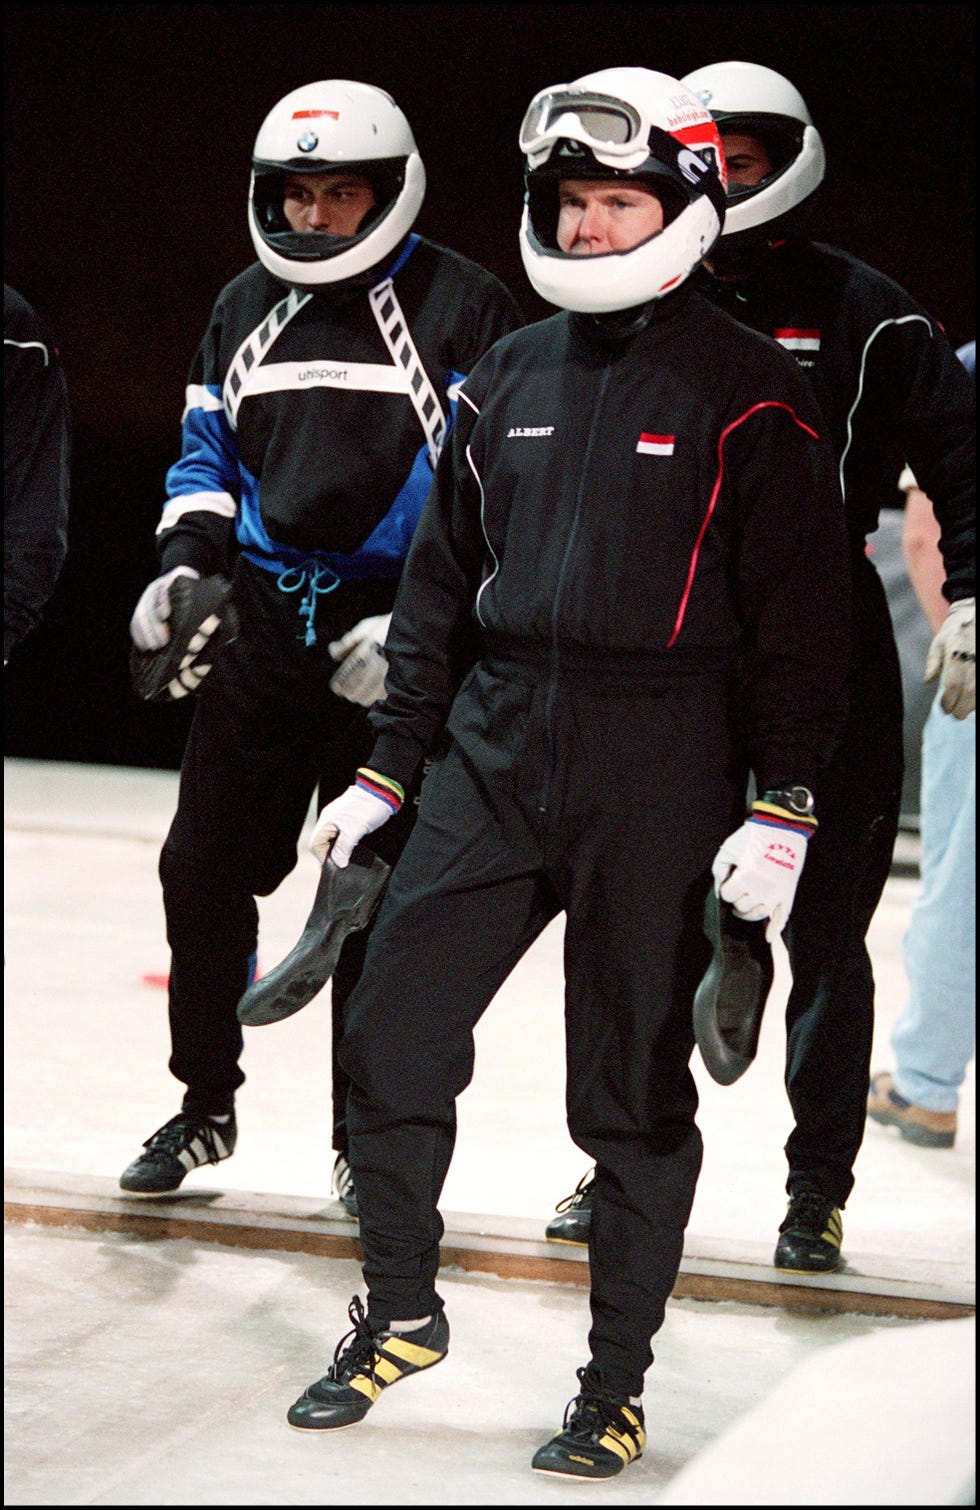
point(552, 689)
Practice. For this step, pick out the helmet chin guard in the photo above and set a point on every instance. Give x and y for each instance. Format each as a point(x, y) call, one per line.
point(332, 126)
point(619, 280)
point(621, 124)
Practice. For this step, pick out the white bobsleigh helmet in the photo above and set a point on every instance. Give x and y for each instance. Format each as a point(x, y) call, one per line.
point(621, 123)
point(750, 100)
point(324, 127)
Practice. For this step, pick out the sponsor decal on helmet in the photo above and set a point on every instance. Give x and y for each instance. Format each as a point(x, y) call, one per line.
point(307, 142)
point(702, 141)
point(682, 114)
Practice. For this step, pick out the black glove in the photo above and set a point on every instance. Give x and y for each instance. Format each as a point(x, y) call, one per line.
point(202, 622)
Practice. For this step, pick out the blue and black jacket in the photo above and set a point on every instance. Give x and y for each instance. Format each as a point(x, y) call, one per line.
point(305, 444)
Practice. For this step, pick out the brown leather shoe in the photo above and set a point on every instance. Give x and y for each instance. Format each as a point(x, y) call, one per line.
point(916, 1123)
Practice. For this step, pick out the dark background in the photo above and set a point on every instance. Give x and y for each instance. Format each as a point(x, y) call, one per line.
point(128, 136)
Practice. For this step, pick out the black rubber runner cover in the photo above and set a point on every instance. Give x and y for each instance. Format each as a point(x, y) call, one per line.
point(730, 1000)
point(345, 901)
point(202, 623)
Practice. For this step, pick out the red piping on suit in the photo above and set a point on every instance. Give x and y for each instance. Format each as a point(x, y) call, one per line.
point(768, 404)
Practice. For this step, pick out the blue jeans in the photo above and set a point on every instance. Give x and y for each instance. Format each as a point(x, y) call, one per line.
point(934, 1037)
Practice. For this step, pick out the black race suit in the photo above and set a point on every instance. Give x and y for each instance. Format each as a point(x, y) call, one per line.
point(36, 468)
point(306, 462)
point(630, 546)
point(892, 391)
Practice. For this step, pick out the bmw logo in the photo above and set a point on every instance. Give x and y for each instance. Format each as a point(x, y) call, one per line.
point(308, 141)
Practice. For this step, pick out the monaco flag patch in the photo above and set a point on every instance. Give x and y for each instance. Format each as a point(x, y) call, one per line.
point(655, 445)
point(798, 340)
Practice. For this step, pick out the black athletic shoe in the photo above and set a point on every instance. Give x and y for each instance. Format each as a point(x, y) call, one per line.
point(574, 1220)
point(343, 1184)
point(180, 1145)
point(600, 1436)
point(811, 1234)
point(373, 1358)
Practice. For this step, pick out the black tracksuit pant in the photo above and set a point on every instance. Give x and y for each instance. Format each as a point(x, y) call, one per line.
point(830, 1011)
point(608, 803)
point(266, 734)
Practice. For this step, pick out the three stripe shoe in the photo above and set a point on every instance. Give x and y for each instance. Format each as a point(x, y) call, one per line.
point(180, 1145)
point(810, 1234)
point(343, 1184)
point(600, 1436)
point(367, 1360)
point(574, 1220)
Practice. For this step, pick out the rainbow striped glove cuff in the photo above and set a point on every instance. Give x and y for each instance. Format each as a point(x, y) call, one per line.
point(773, 816)
point(380, 786)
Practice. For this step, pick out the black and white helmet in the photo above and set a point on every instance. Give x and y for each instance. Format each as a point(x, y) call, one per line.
point(620, 123)
point(323, 127)
point(749, 100)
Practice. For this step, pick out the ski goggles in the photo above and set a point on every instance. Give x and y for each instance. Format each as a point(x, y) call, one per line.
point(599, 121)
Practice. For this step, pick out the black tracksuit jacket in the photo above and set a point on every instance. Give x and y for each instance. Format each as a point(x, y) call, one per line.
point(889, 384)
point(660, 501)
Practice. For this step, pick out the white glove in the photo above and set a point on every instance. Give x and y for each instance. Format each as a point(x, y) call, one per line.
point(757, 869)
point(148, 626)
point(348, 819)
point(361, 677)
point(953, 655)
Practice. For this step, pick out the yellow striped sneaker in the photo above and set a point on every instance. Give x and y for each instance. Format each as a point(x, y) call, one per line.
point(366, 1361)
point(600, 1436)
point(810, 1234)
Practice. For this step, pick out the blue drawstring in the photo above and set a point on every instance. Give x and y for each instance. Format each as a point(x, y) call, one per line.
point(313, 577)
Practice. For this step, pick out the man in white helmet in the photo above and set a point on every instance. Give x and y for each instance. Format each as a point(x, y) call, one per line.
point(606, 575)
point(891, 391)
point(317, 405)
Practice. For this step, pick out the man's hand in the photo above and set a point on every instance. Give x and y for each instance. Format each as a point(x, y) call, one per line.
point(349, 818)
point(953, 656)
point(757, 870)
point(197, 618)
point(361, 675)
point(149, 627)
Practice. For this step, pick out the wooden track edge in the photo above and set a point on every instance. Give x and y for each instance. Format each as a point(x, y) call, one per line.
point(691, 1284)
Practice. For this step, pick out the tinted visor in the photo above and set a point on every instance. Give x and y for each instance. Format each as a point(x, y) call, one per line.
point(598, 121)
